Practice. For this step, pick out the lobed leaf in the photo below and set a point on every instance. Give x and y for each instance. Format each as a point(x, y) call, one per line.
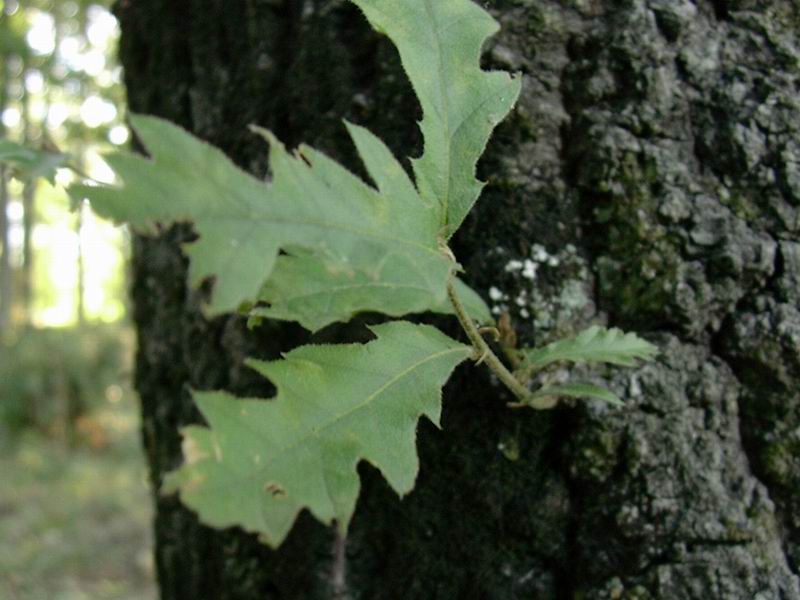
point(259, 463)
point(440, 46)
point(352, 238)
point(595, 344)
point(387, 236)
point(361, 248)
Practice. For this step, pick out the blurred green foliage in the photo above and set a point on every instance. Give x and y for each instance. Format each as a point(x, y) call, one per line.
point(50, 378)
point(74, 523)
point(29, 163)
point(74, 502)
point(61, 104)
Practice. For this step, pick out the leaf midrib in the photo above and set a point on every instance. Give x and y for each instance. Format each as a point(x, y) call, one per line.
point(446, 107)
point(323, 225)
point(586, 355)
point(351, 286)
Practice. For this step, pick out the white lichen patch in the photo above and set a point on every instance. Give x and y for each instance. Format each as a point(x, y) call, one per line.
point(539, 253)
point(496, 295)
point(529, 269)
point(634, 387)
point(534, 298)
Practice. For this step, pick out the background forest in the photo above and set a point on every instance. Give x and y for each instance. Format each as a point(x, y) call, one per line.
point(74, 507)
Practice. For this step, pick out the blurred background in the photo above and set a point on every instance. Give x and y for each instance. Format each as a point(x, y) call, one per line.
point(74, 498)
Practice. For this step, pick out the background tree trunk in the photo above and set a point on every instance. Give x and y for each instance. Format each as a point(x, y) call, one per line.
point(6, 274)
point(653, 161)
point(28, 218)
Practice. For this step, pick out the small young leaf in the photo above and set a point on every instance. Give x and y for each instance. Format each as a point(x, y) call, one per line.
point(595, 344)
point(577, 390)
point(259, 463)
point(440, 45)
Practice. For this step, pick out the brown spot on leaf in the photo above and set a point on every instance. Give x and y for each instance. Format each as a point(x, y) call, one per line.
point(275, 489)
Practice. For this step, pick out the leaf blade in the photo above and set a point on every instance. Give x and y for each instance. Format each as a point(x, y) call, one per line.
point(312, 202)
point(336, 405)
point(577, 390)
point(306, 289)
point(595, 344)
point(461, 103)
point(392, 236)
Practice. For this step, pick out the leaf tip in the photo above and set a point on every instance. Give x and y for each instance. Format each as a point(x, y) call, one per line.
point(264, 133)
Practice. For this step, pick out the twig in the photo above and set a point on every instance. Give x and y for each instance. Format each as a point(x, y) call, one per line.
point(484, 354)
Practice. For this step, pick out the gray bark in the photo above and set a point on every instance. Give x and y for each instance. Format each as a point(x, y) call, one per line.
point(653, 159)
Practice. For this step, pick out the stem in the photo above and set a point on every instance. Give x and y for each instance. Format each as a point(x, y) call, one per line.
point(484, 352)
point(339, 567)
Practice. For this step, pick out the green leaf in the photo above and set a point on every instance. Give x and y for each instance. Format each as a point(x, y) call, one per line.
point(595, 344)
point(361, 248)
point(306, 289)
point(440, 45)
point(577, 390)
point(29, 163)
point(388, 235)
point(259, 463)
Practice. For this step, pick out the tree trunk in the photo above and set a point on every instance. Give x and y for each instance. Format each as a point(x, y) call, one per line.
point(649, 176)
point(80, 286)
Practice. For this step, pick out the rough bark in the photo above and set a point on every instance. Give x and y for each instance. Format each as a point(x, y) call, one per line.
point(653, 158)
